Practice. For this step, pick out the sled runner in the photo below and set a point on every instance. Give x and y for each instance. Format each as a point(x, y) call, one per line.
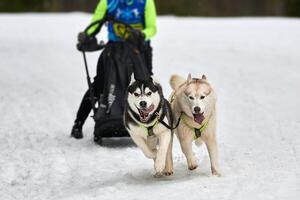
point(119, 60)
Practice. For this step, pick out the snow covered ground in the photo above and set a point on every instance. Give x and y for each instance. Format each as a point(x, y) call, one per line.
point(253, 64)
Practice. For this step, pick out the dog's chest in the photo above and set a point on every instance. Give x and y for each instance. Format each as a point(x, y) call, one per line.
point(138, 131)
point(185, 131)
point(144, 132)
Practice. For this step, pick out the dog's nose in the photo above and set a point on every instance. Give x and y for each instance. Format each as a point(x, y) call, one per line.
point(197, 109)
point(143, 104)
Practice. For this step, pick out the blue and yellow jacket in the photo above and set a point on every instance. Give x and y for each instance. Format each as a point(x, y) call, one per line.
point(140, 14)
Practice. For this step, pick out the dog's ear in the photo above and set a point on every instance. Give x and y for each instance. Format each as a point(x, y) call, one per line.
point(176, 81)
point(204, 77)
point(132, 79)
point(189, 79)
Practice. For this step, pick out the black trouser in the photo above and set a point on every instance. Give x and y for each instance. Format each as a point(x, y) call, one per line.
point(98, 84)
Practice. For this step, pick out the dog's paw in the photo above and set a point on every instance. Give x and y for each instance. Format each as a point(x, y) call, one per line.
point(159, 166)
point(193, 167)
point(158, 175)
point(168, 173)
point(192, 163)
point(216, 173)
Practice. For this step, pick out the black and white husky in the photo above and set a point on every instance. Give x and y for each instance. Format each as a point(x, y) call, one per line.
point(147, 114)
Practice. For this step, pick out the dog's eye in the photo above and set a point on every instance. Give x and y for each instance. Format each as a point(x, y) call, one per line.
point(202, 97)
point(136, 94)
point(191, 98)
point(148, 93)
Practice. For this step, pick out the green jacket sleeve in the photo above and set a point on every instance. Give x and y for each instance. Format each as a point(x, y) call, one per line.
point(150, 20)
point(98, 15)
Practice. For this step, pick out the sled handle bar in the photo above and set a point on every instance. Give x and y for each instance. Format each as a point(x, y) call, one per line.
point(101, 22)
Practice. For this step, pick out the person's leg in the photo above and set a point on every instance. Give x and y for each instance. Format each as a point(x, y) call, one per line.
point(97, 86)
point(84, 111)
point(148, 57)
point(84, 108)
point(86, 105)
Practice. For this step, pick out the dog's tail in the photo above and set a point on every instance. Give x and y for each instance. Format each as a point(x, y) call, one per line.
point(176, 81)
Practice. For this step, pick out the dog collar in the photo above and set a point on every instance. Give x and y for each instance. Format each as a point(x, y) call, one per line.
point(159, 119)
point(198, 130)
point(149, 129)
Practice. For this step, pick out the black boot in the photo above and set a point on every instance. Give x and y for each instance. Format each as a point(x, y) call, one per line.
point(77, 130)
point(98, 140)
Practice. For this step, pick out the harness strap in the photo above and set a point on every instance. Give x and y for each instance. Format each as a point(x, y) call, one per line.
point(149, 129)
point(159, 119)
point(170, 101)
point(170, 127)
point(197, 131)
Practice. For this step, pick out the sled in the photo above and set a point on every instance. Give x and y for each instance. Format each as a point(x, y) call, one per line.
point(119, 65)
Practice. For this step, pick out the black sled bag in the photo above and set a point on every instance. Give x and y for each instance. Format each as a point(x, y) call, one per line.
point(117, 63)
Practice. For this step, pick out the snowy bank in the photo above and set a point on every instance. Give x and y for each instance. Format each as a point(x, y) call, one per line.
point(253, 63)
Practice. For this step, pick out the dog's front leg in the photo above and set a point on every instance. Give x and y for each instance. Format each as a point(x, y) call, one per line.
point(160, 161)
point(212, 148)
point(140, 142)
point(169, 162)
point(152, 142)
point(186, 146)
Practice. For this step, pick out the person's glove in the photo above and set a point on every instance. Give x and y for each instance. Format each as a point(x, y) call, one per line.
point(83, 38)
point(86, 42)
point(137, 34)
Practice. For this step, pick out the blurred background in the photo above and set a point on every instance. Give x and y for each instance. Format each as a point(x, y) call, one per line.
point(289, 8)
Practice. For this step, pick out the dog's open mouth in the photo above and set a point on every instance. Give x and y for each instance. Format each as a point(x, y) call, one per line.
point(199, 117)
point(144, 113)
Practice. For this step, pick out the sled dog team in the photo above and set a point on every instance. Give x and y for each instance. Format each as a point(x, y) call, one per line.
point(190, 112)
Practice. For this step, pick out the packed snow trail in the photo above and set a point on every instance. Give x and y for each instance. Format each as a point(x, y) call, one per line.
point(253, 63)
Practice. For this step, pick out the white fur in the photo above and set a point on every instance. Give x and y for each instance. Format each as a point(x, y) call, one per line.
point(134, 102)
point(183, 104)
point(157, 147)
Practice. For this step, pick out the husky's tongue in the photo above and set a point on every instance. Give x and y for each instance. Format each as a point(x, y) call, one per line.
point(144, 113)
point(199, 118)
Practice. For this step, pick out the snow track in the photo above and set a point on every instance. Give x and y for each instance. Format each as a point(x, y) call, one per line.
point(253, 63)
